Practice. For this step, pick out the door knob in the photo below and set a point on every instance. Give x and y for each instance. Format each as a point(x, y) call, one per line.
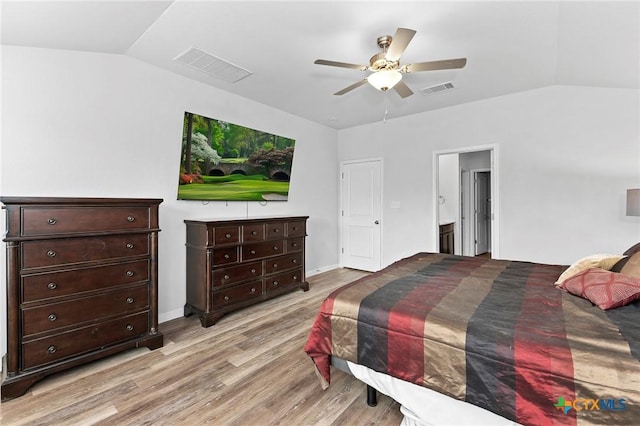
point(377, 222)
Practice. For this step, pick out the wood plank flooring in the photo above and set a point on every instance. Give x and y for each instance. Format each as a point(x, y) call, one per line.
point(248, 369)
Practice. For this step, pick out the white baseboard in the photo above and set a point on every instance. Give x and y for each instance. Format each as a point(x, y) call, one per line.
point(168, 316)
point(321, 270)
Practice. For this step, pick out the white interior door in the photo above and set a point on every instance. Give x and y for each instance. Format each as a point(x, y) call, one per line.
point(361, 215)
point(482, 207)
point(464, 214)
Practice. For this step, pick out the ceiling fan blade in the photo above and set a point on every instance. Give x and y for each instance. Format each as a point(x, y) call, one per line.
point(436, 65)
point(340, 64)
point(399, 43)
point(402, 89)
point(350, 88)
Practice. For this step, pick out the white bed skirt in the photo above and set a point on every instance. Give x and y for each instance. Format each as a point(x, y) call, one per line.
point(425, 407)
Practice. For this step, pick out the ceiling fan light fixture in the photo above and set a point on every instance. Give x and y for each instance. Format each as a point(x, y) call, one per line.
point(385, 79)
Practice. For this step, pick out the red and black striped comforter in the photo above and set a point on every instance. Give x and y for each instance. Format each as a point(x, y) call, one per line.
point(494, 333)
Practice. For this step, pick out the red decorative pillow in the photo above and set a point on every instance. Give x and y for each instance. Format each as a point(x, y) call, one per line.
point(605, 289)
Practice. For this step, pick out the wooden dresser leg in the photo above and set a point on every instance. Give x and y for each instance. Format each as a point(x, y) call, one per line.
point(13, 387)
point(209, 320)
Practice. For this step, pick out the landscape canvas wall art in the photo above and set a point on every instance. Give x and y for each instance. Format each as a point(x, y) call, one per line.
point(222, 161)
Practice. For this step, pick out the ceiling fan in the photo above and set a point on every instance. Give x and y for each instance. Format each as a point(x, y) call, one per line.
point(387, 72)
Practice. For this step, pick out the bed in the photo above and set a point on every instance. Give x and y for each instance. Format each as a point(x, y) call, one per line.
point(463, 340)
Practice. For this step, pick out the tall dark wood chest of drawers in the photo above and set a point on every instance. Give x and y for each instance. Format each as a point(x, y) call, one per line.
point(232, 264)
point(82, 283)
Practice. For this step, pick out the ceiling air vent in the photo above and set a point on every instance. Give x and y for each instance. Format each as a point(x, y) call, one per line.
point(437, 88)
point(212, 65)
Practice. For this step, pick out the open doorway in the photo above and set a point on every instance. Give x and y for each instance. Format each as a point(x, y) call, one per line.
point(466, 200)
point(481, 212)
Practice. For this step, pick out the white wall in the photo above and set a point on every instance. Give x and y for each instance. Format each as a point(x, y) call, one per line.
point(96, 125)
point(475, 160)
point(448, 188)
point(567, 156)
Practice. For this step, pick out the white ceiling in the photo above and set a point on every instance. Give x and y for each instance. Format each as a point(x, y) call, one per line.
point(510, 46)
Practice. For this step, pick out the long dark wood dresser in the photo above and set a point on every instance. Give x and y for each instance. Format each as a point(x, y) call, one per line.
point(232, 264)
point(82, 283)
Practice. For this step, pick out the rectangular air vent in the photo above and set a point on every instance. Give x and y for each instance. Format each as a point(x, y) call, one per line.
point(212, 65)
point(437, 88)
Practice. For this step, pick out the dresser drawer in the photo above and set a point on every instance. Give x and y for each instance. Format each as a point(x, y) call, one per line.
point(237, 294)
point(234, 274)
point(225, 256)
point(57, 315)
point(275, 230)
point(226, 235)
point(260, 250)
point(58, 220)
point(253, 232)
point(282, 263)
point(230, 276)
point(283, 280)
point(44, 286)
point(76, 250)
point(75, 342)
point(296, 229)
point(295, 244)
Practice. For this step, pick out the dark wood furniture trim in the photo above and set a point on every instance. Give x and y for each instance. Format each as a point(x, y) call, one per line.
point(72, 228)
point(232, 264)
point(446, 238)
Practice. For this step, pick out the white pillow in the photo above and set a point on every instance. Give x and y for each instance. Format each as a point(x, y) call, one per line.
point(602, 261)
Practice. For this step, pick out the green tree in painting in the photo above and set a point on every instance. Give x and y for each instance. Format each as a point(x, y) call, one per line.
point(257, 165)
point(186, 145)
point(201, 150)
point(271, 159)
point(210, 128)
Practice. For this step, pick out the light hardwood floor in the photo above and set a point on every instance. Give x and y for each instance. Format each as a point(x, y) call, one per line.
point(248, 369)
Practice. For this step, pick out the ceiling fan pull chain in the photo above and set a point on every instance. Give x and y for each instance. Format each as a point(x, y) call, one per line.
point(386, 108)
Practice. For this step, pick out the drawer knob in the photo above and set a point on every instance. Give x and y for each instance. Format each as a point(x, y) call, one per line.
point(295, 228)
point(51, 253)
point(129, 327)
point(226, 277)
point(253, 252)
point(227, 235)
point(294, 260)
point(254, 232)
point(51, 221)
point(130, 218)
point(52, 349)
point(294, 244)
point(129, 246)
point(275, 247)
point(52, 317)
point(52, 286)
point(129, 273)
point(275, 283)
point(253, 290)
point(295, 278)
point(275, 265)
point(276, 230)
point(129, 300)
point(226, 298)
point(226, 256)
point(253, 271)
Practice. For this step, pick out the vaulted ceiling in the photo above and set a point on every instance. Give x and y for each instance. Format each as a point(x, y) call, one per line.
point(510, 46)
